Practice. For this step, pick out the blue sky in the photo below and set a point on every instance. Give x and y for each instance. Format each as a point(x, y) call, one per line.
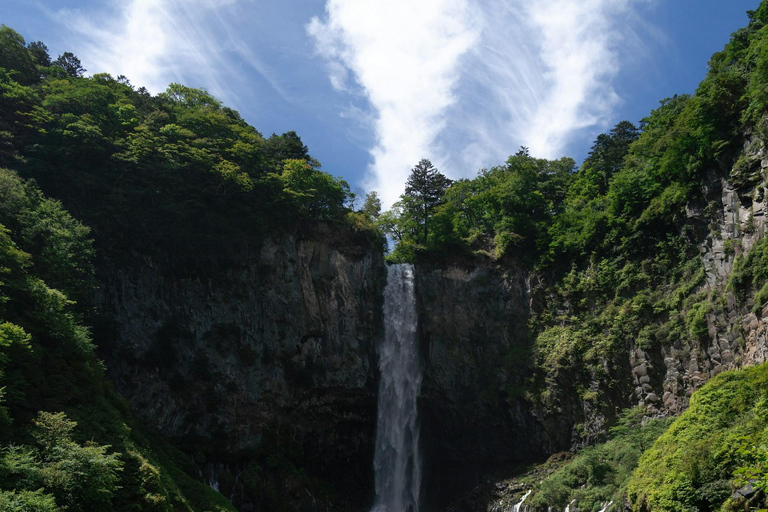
point(372, 86)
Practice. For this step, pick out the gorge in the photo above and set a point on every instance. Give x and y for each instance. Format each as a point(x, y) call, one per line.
point(196, 317)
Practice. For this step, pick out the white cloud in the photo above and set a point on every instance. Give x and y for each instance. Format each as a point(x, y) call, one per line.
point(403, 55)
point(155, 42)
point(578, 49)
point(465, 82)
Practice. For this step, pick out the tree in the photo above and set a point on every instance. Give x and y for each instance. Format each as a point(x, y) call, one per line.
point(39, 52)
point(372, 206)
point(426, 186)
point(78, 477)
point(288, 146)
point(311, 192)
point(15, 58)
point(70, 64)
point(607, 154)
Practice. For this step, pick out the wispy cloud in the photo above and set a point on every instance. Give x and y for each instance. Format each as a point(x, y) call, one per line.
point(579, 51)
point(154, 42)
point(403, 56)
point(465, 82)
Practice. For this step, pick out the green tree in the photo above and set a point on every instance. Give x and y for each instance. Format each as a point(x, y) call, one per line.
point(312, 192)
point(607, 154)
point(81, 478)
point(287, 146)
point(70, 64)
point(372, 206)
point(27, 501)
point(39, 52)
point(426, 186)
point(15, 58)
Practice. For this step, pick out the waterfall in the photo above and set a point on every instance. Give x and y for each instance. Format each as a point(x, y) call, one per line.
point(606, 507)
point(519, 505)
point(396, 462)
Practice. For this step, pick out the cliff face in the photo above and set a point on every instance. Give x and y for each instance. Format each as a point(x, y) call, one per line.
point(473, 329)
point(276, 353)
point(737, 335)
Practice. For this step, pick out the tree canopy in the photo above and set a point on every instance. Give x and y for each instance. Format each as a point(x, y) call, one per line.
point(139, 167)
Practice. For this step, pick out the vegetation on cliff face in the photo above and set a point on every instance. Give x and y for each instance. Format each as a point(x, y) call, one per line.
point(67, 442)
point(599, 474)
point(712, 457)
point(616, 248)
point(714, 448)
point(50, 376)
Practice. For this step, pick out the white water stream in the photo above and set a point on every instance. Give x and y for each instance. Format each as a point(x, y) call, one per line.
point(519, 505)
point(396, 462)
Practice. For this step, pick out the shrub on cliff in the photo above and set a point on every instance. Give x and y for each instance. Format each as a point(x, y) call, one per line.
point(692, 465)
point(599, 474)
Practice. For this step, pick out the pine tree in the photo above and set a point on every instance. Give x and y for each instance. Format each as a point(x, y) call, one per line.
point(426, 187)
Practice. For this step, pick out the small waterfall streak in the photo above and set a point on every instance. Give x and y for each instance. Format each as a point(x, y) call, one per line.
point(396, 462)
point(518, 506)
point(606, 507)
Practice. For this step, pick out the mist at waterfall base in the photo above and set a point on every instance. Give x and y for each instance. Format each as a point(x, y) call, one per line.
point(397, 464)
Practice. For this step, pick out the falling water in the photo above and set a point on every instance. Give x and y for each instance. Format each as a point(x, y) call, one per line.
point(519, 505)
point(396, 462)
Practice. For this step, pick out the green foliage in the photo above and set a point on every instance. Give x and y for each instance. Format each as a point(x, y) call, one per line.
point(28, 501)
point(47, 363)
point(696, 320)
point(754, 471)
point(80, 478)
point(424, 188)
point(313, 193)
point(750, 273)
point(504, 211)
point(416, 224)
point(70, 64)
point(599, 474)
point(692, 465)
point(372, 206)
point(141, 169)
point(15, 57)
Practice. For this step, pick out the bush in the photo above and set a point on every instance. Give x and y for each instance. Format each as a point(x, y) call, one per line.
point(691, 466)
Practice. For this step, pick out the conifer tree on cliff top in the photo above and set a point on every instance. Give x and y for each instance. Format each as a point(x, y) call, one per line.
point(426, 187)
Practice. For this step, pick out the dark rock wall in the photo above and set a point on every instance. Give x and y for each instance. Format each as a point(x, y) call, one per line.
point(473, 329)
point(277, 351)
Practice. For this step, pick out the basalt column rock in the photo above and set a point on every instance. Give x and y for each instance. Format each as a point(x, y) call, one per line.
point(473, 331)
point(271, 351)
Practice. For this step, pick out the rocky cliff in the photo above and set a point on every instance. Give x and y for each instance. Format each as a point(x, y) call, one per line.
point(737, 327)
point(473, 324)
point(274, 352)
point(269, 361)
